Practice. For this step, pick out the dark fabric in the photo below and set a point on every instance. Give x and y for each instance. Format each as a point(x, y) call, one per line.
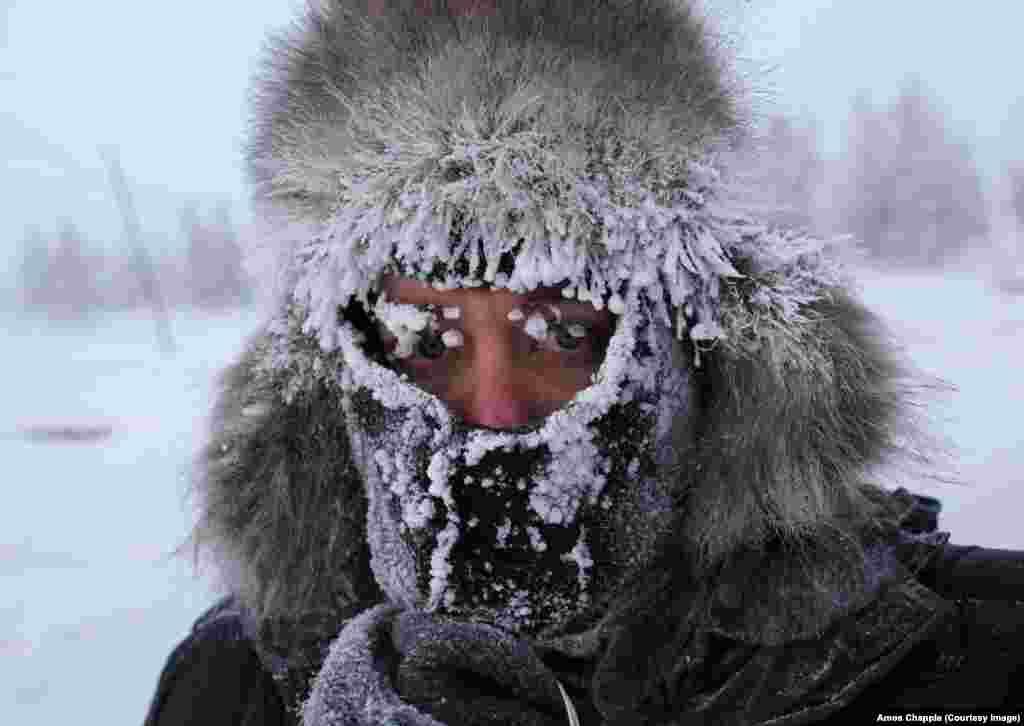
point(293, 651)
point(922, 513)
point(974, 660)
point(214, 678)
point(717, 678)
point(470, 673)
point(977, 572)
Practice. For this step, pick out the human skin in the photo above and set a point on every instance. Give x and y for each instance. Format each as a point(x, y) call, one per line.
point(501, 377)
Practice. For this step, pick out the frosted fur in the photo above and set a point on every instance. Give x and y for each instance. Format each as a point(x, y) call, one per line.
point(349, 90)
point(679, 256)
point(491, 134)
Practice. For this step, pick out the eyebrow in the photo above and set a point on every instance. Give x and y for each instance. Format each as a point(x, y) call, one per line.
point(546, 295)
point(575, 307)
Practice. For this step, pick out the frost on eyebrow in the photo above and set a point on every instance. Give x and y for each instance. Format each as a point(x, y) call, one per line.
point(539, 327)
point(405, 321)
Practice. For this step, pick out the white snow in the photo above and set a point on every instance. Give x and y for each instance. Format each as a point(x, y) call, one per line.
point(440, 566)
point(580, 556)
point(94, 601)
point(503, 531)
point(536, 539)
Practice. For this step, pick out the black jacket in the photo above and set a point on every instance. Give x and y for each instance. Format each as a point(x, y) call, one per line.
point(973, 661)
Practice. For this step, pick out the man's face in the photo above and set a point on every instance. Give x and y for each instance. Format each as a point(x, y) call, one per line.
point(504, 359)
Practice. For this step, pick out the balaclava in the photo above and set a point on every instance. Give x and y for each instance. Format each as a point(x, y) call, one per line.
point(526, 529)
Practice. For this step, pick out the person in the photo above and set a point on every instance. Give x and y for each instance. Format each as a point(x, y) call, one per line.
point(545, 428)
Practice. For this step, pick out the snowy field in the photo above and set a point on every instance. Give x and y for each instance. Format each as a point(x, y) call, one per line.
point(94, 603)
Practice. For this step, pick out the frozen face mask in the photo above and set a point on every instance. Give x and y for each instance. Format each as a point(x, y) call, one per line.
point(528, 529)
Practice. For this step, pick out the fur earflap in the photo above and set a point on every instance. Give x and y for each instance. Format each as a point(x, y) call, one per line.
point(282, 511)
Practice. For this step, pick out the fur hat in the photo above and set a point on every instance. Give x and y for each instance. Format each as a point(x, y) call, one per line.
point(582, 140)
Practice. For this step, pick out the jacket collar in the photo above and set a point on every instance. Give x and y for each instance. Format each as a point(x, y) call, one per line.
point(769, 640)
point(750, 665)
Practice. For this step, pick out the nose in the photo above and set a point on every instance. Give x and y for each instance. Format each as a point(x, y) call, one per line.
point(494, 393)
point(498, 412)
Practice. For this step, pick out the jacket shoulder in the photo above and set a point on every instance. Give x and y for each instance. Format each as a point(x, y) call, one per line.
point(979, 573)
point(214, 676)
point(974, 660)
point(954, 571)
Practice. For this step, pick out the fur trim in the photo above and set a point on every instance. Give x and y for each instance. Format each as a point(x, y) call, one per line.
point(280, 504)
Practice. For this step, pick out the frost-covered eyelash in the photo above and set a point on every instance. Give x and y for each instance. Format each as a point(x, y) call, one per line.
point(407, 323)
point(543, 329)
point(537, 323)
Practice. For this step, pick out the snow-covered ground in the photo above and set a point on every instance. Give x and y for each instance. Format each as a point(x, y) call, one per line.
point(93, 600)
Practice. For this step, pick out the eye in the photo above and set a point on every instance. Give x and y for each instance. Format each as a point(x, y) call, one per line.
point(427, 347)
point(569, 336)
point(551, 330)
point(430, 346)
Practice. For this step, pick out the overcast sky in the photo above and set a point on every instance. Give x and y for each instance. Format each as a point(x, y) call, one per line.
point(166, 83)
